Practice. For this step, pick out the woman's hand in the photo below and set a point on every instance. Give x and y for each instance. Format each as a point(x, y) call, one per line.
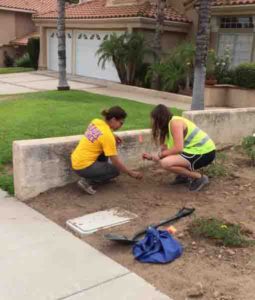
point(152, 157)
point(136, 175)
point(118, 140)
point(147, 156)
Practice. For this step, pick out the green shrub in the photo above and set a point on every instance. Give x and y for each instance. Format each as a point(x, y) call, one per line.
point(6, 183)
point(175, 70)
point(217, 168)
point(222, 233)
point(8, 61)
point(248, 145)
point(24, 61)
point(33, 48)
point(245, 75)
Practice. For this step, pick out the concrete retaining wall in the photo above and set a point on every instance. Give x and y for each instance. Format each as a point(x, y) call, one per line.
point(229, 96)
point(225, 126)
point(42, 164)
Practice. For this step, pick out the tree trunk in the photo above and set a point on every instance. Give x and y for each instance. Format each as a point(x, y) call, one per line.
point(202, 43)
point(157, 38)
point(62, 83)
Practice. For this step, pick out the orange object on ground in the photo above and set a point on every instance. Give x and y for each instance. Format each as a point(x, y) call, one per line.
point(171, 229)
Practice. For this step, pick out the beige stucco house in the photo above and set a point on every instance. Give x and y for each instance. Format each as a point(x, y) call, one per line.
point(16, 24)
point(92, 21)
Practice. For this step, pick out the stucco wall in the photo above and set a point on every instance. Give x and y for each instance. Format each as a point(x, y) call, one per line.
point(241, 97)
point(225, 126)
point(168, 41)
point(229, 96)
point(7, 27)
point(43, 164)
point(23, 24)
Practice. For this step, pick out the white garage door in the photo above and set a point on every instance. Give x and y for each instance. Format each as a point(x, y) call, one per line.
point(52, 51)
point(87, 44)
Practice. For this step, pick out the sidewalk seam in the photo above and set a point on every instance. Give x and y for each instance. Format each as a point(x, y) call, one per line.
point(93, 286)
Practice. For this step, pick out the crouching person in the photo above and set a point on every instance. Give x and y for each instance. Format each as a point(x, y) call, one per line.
point(90, 159)
point(185, 148)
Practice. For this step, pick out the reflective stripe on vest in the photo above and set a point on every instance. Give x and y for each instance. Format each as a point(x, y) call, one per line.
point(192, 135)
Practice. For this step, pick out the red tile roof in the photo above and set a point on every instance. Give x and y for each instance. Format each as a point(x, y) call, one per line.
point(96, 9)
point(38, 6)
point(232, 2)
point(24, 40)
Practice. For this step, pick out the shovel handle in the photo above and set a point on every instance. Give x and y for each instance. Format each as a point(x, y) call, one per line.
point(184, 212)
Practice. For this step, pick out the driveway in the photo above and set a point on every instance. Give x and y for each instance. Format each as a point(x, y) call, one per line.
point(17, 83)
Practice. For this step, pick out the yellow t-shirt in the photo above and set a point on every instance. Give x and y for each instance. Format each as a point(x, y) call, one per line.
point(97, 139)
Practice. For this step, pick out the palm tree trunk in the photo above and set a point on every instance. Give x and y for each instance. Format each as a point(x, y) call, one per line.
point(202, 43)
point(62, 83)
point(157, 38)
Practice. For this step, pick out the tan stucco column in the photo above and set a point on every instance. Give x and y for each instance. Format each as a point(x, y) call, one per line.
point(253, 42)
point(43, 48)
point(214, 32)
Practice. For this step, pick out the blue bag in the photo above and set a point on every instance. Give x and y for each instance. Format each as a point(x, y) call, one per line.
point(158, 246)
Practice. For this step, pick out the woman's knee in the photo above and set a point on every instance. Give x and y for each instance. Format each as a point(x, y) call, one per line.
point(165, 163)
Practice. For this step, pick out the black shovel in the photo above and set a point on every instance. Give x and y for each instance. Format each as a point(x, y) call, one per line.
point(184, 212)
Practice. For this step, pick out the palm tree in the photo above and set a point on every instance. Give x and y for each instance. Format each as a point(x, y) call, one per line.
point(62, 84)
point(127, 52)
point(160, 7)
point(202, 42)
point(113, 50)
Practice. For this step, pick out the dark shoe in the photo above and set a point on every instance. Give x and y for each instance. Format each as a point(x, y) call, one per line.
point(86, 187)
point(180, 179)
point(197, 184)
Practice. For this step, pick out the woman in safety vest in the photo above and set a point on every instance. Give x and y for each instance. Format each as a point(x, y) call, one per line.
point(185, 148)
point(90, 157)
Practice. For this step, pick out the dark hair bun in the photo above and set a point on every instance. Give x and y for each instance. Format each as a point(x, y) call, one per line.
point(104, 112)
point(114, 112)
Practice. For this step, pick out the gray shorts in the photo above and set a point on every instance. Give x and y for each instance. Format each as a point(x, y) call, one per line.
point(100, 171)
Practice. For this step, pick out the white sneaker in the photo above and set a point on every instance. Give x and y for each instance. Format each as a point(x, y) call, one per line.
point(86, 187)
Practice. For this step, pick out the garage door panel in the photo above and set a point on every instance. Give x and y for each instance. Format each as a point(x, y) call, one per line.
point(52, 51)
point(87, 44)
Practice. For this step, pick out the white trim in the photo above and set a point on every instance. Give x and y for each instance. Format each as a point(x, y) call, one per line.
point(18, 9)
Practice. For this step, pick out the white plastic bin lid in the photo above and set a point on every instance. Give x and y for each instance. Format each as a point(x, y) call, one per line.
point(99, 220)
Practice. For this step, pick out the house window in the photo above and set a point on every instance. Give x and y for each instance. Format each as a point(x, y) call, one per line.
point(239, 46)
point(236, 22)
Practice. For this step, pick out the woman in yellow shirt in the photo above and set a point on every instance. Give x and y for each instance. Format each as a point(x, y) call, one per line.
point(185, 148)
point(90, 157)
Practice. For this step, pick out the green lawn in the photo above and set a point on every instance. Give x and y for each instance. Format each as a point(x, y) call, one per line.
point(54, 113)
point(15, 70)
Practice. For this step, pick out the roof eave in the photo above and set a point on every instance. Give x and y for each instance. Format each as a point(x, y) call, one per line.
point(241, 9)
point(17, 9)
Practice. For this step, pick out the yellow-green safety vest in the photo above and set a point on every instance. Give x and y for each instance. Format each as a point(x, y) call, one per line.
point(196, 140)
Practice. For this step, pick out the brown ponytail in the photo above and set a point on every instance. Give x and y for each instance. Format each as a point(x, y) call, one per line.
point(114, 112)
point(161, 117)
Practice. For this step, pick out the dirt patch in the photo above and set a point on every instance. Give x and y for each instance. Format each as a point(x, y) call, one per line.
point(219, 273)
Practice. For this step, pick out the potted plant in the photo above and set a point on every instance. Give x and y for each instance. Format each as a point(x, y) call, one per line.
point(210, 78)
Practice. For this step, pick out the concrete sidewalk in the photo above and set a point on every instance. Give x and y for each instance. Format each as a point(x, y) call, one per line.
point(47, 80)
point(41, 261)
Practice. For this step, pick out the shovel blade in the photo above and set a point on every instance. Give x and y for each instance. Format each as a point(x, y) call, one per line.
point(119, 238)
